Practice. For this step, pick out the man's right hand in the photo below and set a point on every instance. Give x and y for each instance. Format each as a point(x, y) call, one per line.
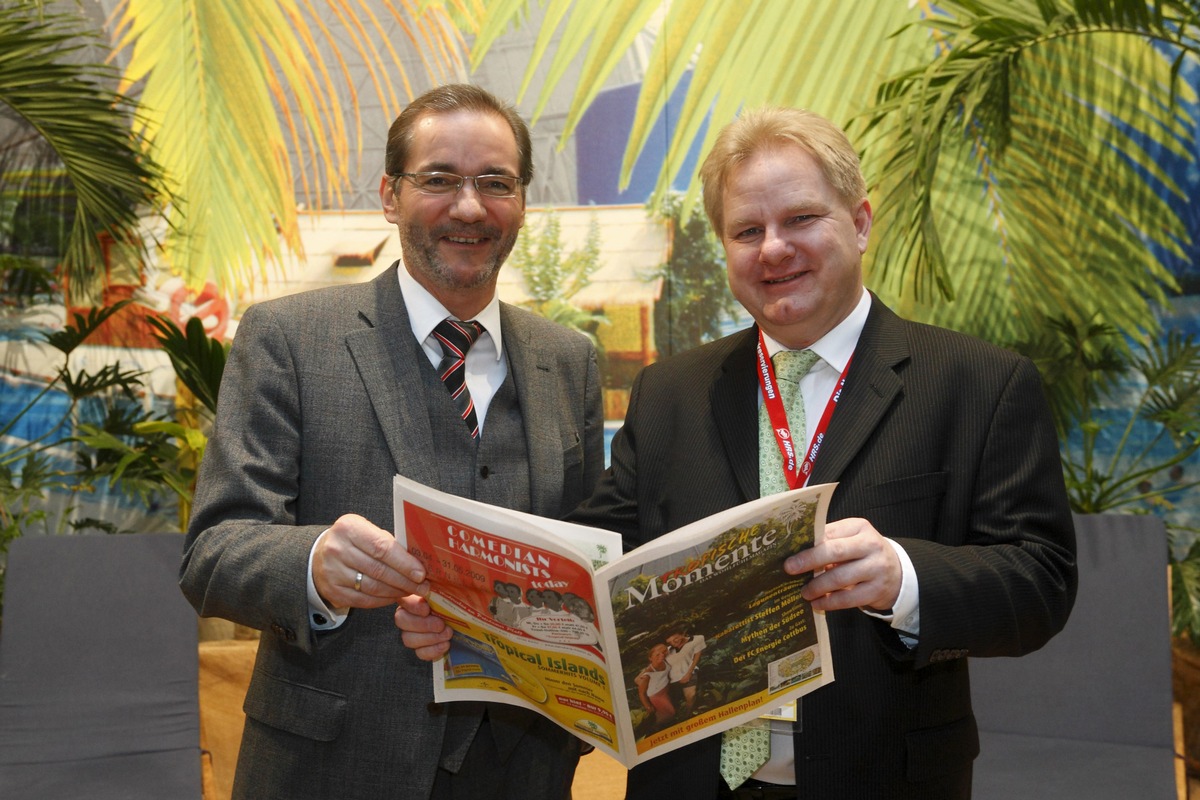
point(357, 564)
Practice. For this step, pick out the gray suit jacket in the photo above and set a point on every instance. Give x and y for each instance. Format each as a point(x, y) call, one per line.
point(942, 442)
point(320, 406)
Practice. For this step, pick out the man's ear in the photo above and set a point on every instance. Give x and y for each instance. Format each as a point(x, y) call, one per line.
point(863, 218)
point(387, 198)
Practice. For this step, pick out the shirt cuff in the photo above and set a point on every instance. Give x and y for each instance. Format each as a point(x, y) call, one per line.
point(320, 616)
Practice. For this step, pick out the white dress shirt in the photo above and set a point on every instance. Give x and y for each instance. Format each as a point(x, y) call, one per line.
point(486, 370)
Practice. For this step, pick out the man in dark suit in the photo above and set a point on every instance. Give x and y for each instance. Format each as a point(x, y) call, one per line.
point(326, 396)
point(949, 531)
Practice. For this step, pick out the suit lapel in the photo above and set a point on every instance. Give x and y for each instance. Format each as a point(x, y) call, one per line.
point(735, 411)
point(383, 353)
point(872, 385)
point(533, 376)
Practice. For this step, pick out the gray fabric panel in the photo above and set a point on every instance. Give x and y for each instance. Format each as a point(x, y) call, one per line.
point(1093, 707)
point(166, 775)
point(98, 670)
point(1015, 766)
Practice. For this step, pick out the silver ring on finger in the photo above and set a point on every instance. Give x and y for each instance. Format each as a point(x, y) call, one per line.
point(358, 582)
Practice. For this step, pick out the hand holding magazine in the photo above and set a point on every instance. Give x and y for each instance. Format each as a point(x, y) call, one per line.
point(640, 654)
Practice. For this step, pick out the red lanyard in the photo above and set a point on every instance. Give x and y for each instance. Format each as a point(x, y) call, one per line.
point(797, 470)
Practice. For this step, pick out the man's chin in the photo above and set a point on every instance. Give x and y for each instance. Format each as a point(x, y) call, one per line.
point(792, 327)
point(786, 313)
point(464, 277)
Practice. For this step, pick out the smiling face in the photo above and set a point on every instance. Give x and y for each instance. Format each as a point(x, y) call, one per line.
point(455, 244)
point(793, 246)
point(658, 656)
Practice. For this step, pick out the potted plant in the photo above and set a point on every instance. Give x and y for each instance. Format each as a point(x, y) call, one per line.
point(1128, 416)
point(92, 428)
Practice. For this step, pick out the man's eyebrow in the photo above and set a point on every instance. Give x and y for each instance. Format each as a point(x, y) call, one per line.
point(739, 222)
point(445, 166)
point(436, 166)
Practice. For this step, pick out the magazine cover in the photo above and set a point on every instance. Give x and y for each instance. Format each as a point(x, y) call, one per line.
point(640, 654)
point(716, 633)
point(521, 601)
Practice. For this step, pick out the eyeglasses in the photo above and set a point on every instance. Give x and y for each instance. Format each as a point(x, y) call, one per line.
point(449, 183)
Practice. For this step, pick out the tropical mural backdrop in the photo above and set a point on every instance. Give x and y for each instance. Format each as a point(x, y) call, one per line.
point(1033, 165)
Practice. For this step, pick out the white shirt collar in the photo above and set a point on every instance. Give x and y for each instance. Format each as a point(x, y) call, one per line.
point(835, 347)
point(425, 312)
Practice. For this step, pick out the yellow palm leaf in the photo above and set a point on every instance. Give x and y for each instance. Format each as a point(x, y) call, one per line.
point(228, 85)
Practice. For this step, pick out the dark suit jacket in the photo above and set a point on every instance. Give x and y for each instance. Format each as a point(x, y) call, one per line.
point(320, 406)
point(942, 442)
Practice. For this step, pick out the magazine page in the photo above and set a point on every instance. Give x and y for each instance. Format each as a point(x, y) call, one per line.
point(710, 631)
point(518, 592)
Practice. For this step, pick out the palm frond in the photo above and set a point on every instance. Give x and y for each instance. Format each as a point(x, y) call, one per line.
point(1026, 159)
point(72, 107)
point(81, 327)
point(198, 359)
point(732, 56)
point(229, 87)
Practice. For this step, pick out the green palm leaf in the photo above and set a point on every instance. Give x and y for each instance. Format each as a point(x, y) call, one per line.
point(85, 124)
point(198, 359)
point(1015, 175)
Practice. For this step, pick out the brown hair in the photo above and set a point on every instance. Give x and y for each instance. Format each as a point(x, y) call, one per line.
point(447, 99)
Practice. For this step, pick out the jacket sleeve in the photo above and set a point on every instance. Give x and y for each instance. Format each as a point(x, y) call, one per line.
point(1009, 586)
point(245, 559)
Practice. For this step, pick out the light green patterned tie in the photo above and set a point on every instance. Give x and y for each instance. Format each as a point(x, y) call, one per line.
point(747, 747)
point(790, 367)
point(743, 750)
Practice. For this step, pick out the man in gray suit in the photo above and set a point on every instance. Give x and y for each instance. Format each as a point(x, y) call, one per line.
point(327, 395)
point(950, 533)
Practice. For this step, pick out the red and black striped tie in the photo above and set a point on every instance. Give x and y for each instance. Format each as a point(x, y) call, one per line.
point(456, 339)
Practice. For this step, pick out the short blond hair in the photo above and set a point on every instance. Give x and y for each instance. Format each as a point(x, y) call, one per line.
point(772, 127)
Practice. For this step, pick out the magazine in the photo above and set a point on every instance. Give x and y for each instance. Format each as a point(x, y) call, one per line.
point(638, 654)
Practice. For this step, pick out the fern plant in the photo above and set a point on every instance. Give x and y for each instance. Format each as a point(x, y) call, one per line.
point(1128, 416)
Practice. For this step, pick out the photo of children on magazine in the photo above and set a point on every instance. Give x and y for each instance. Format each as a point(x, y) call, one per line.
point(667, 685)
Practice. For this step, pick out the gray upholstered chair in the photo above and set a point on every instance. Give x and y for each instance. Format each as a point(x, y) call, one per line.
point(98, 671)
point(1089, 715)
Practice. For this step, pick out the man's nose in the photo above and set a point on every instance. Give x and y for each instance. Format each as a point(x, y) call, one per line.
point(468, 203)
point(776, 247)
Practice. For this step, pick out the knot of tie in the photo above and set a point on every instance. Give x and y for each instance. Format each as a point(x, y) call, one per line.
point(792, 365)
point(456, 339)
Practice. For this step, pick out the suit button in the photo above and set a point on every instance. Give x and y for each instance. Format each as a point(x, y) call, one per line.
point(284, 633)
point(484, 472)
point(320, 619)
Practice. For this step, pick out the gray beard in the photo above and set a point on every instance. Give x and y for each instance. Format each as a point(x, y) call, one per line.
point(419, 247)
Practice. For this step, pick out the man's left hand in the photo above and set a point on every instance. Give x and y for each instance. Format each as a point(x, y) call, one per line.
point(861, 570)
point(425, 633)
